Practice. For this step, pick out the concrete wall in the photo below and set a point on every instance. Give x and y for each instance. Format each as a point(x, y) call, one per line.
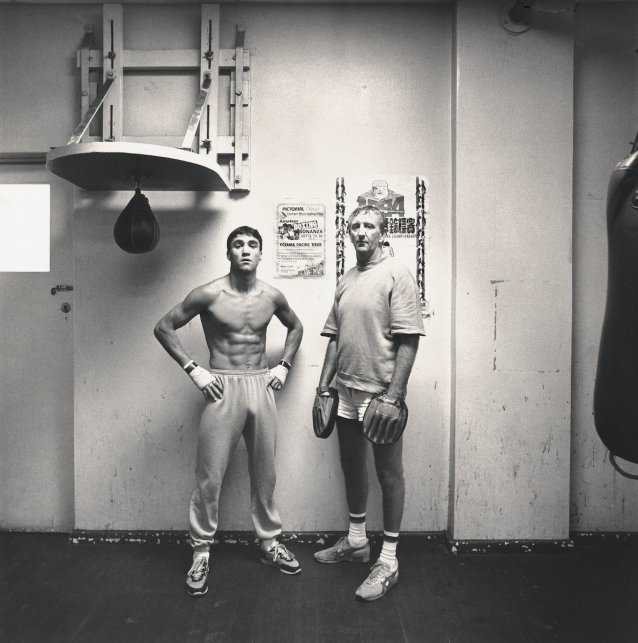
point(605, 99)
point(512, 277)
point(336, 91)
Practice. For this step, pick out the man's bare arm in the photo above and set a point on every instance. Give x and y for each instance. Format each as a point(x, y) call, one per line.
point(329, 365)
point(406, 354)
point(166, 333)
point(289, 319)
point(166, 328)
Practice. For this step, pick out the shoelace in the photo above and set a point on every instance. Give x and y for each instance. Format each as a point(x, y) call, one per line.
point(198, 570)
point(377, 573)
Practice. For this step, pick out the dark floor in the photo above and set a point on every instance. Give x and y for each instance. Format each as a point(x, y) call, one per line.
point(55, 591)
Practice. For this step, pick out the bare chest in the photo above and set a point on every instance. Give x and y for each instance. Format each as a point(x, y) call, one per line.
point(233, 313)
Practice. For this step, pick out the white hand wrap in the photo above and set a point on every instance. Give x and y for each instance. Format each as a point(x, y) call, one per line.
point(280, 372)
point(201, 377)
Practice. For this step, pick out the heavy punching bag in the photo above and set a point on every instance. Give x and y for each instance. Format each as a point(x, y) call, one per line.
point(616, 387)
point(136, 229)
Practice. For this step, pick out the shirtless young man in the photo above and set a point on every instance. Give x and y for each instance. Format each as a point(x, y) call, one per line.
point(235, 311)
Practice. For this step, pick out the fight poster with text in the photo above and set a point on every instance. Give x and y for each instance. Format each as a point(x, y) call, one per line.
point(404, 202)
point(300, 240)
point(395, 196)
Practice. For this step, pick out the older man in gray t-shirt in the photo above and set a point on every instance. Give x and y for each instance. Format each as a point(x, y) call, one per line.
point(374, 328)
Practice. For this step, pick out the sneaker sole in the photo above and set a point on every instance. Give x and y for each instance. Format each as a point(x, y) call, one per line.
point(366, 559)
point(283, 571)
point(195, 593)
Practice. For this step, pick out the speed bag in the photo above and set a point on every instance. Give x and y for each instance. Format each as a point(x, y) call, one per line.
point(616, 386)
point(136, 229)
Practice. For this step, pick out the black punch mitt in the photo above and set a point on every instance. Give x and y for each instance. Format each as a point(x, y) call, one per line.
point(384, 421)
point(324, 412)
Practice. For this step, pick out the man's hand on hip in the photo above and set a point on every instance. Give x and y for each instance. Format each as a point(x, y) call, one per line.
point(210, 385)
point(277, 377)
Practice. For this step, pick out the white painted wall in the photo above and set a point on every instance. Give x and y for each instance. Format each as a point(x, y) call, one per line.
point(321, 109)
point(605, 101)
point(336, 91)
point(512, 277)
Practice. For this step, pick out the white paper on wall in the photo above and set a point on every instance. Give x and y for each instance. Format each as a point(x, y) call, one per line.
point(25, 228)
point(300, 240)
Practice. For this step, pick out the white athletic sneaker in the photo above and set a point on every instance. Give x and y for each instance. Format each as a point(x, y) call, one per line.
point(280, 557)
point(380, 580)
point(197, 577)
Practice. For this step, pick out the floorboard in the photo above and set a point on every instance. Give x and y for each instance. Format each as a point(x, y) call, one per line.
point(56, 591)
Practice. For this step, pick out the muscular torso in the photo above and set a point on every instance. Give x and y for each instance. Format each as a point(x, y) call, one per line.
point(235, 326)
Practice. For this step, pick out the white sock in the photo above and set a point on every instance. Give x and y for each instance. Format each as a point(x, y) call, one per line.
point(267, 543)
point(389, 549)
point(201, 554)
point(357, 530)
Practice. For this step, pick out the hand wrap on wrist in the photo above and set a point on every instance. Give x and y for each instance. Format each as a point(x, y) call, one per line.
point(200, 376)
point(280, 372)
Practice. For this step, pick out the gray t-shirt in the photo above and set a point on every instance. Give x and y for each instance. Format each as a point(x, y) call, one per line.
point(373, 304)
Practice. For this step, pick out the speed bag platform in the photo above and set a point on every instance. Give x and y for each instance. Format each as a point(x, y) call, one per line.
point(616, 386)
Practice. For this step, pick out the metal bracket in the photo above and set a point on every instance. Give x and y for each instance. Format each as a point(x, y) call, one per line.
point(113, 111)
point(85, 67)
point(240, 109)
point(80, 130)
point(209, 65)
point(231, 150)
point(196, 117)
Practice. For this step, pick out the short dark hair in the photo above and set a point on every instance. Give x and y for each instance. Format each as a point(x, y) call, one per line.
point(372, 209)
point(248, 231)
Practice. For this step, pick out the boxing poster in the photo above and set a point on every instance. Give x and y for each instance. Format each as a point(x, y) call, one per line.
point(404, 200)
point(300, 244)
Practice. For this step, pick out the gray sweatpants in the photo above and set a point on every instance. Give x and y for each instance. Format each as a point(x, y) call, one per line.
point(248, 409)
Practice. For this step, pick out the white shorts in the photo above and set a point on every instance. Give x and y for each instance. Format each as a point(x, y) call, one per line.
point(352, 402)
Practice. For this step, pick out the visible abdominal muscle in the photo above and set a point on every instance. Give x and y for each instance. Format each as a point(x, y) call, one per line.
point(235, 329)
point(238, 351)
